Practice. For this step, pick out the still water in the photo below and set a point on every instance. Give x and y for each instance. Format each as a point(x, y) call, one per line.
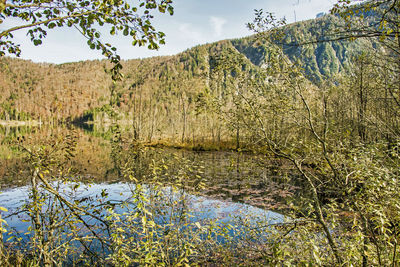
point(119, 195)
point(234, 185)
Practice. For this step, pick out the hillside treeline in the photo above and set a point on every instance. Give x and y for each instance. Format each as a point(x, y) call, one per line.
point(321, 96)
point(163, 97)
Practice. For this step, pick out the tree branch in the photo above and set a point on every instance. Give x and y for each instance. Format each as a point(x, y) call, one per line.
point(6, 32)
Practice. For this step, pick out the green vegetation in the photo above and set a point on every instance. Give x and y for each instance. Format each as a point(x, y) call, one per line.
point(161, 97)
point(327, 108)
point(156, 225)
point(86, 17)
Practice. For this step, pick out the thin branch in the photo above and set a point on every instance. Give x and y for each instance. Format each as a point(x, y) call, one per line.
point(6, 32)
point(24, 6)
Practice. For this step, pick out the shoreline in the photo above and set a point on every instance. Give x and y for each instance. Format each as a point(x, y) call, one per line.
point(13, 123)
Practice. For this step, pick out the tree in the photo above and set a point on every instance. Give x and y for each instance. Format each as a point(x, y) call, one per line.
point(367, 19)
point(378, 19)
point(39, 16)
point(341, 173)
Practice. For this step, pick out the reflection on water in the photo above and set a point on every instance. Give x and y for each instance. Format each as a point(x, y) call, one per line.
point(238, 177)
point(184, 191)
point(15, 131)
point(120, 194)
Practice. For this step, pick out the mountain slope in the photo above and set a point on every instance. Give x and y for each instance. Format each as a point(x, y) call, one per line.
point(158, 95)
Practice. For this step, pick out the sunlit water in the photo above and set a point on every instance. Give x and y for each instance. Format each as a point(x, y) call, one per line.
point(237, 186)
point(120, 195)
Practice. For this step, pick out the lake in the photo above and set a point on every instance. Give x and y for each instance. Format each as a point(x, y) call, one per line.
point(107, 181)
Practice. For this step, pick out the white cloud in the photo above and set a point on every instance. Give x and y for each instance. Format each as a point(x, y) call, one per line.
point(194, 22)
point(189, 32)
point(217, 24)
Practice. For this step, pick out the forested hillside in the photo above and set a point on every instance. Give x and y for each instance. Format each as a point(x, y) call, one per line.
point(320, 60)
point(161, 97)
point(316, 103)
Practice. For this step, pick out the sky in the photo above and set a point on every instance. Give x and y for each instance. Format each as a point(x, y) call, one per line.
point(194, 22)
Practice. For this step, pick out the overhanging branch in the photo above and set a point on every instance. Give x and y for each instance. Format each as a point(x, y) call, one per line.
point(6, 32)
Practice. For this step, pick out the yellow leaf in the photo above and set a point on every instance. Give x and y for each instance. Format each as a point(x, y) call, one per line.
point(198, 225)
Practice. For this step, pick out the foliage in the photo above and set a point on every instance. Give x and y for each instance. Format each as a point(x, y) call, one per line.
point(340, 135)
point(58, 92)
point(352, 181)
point(367, 19)
point(153, 226)
point(86, 16)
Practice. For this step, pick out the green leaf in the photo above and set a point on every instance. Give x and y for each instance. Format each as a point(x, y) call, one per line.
point(170, 10)
point(37, 42)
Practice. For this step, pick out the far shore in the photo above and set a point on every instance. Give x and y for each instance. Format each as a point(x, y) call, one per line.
point(12, 123)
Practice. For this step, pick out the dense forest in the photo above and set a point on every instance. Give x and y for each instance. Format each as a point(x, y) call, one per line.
point(162, 96)
point(316, 103)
